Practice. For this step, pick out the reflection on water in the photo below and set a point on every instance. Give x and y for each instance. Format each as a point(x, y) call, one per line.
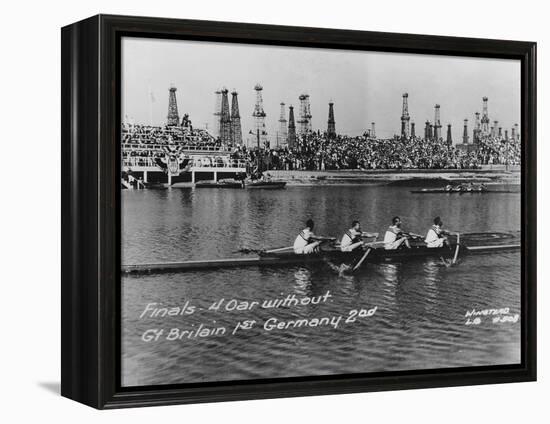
point(303, 280)
point(420, 305)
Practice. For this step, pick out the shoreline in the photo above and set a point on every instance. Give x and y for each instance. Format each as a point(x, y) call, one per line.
point(412, 177)
point(423, 178)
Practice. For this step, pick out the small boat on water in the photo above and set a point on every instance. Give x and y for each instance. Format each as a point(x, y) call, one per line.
point(444, 191)
point(219, 184)
point(461, 189)
point(471, 243)
point(265, 184)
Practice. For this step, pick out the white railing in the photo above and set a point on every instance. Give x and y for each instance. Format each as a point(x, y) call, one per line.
point(220, 163)
point(139, 161)
point(185, 147)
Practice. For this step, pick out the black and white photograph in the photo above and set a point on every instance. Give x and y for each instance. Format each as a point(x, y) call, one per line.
point(307, 212)
point(292, 211)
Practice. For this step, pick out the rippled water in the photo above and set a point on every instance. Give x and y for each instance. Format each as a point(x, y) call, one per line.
point(419, 321)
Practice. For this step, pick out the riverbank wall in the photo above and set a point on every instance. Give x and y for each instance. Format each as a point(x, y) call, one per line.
point(408, 177)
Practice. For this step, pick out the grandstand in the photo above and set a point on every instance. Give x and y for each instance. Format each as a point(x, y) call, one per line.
point(169, 155)
point(181, 154)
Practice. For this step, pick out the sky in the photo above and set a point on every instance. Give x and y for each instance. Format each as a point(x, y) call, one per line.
point(364, 86)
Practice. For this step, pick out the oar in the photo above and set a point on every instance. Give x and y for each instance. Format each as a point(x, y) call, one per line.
point(279, 249)
point(361, 260)
point(247, 250)
point(457, 248)
point(455, 257)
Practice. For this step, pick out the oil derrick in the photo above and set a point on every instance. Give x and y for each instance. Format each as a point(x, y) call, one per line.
point(291, 129)
point(331, 127)
point(495, 126)
point(427, 128)
point(236, 131)
point(449, 135)
point(477, 129)
point(405, 118)
point(465, 133)
point(259, 116)
point(500, 132)
point(372, 130)
point(303, 122)
point(506, 135)
point(217, 113)
point(173, 118)
point(282, 134)
point(515, 133)
point(437, 122)
point(225, 120)
point(485, 118)
point(308, 114)
point(413, 130)
point(301, 115)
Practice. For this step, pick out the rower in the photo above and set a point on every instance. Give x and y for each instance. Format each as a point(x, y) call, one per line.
point(352, 239)
point(307, 241)
point(436, 236)
point(394, 236)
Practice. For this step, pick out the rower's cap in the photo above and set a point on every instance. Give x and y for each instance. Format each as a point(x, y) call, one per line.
point(437, 221)
point(309, 223)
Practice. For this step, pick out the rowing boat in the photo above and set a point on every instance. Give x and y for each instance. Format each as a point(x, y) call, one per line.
point(473, 191)
point(472, 243)
point(219, 184)
point(265, 184)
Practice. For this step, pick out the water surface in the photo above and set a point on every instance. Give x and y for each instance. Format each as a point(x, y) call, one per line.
point(419, 321)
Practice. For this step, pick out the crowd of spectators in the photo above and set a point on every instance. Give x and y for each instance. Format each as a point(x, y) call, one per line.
point(495, 151)
point(147, 134)
point(317, 151)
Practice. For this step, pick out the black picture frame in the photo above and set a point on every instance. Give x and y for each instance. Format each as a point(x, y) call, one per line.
point(90, 135)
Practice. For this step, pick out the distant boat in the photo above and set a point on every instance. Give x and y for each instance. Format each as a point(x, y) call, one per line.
point(219, 184)
point(265, 184)
point(455, 190)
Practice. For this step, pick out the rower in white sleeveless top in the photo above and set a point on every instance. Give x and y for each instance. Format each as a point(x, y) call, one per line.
point(352, 239)
point(436, 236)
point(395, 237)
point(307, 241)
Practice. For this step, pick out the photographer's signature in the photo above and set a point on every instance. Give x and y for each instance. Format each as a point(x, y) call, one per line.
point(494, 316)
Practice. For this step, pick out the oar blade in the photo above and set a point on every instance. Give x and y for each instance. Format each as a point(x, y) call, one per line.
point(356, 267)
